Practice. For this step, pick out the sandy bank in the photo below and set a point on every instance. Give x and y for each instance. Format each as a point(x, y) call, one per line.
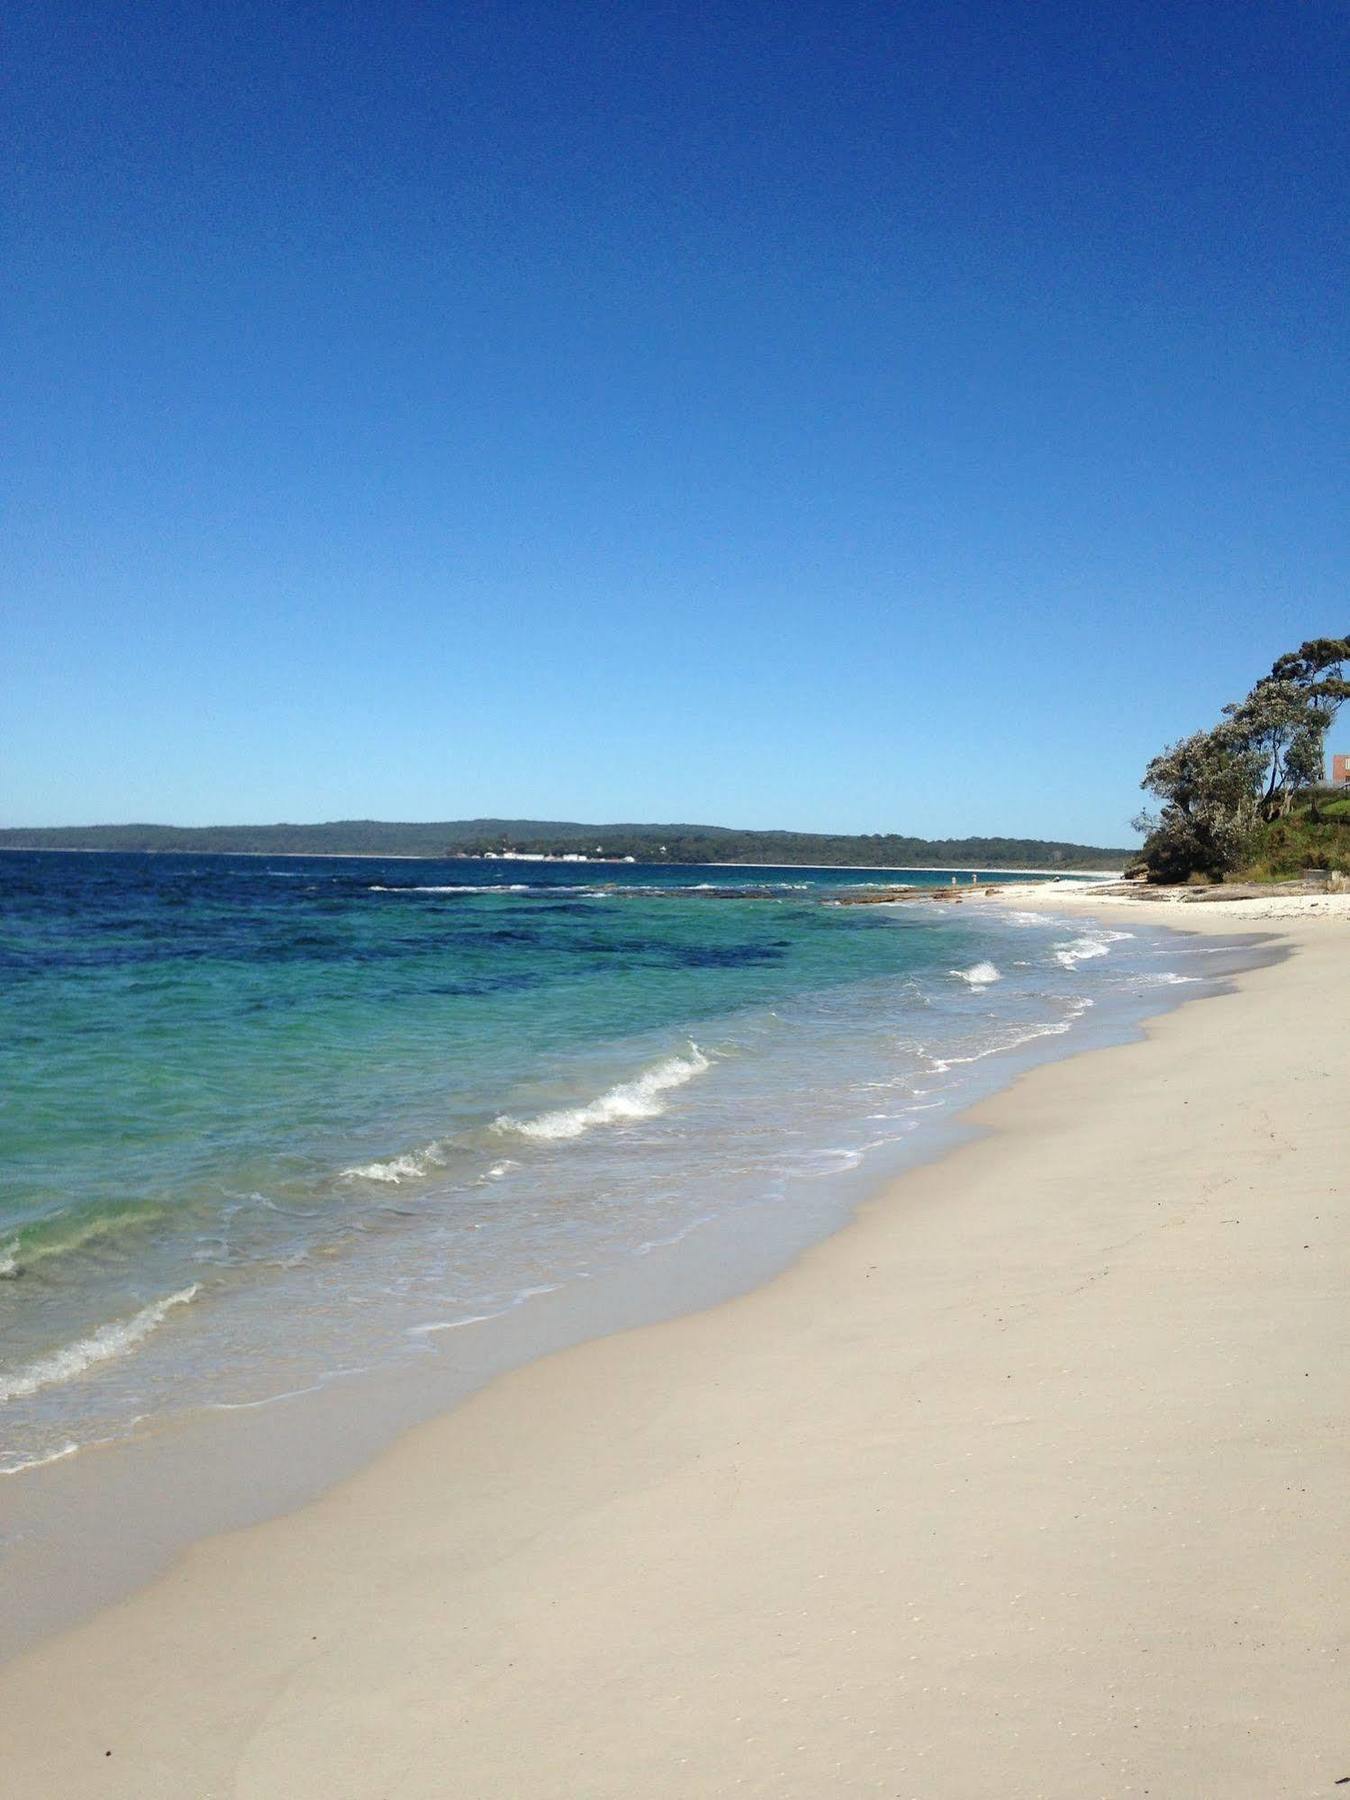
point(1181, 908)
point(1030, 1483)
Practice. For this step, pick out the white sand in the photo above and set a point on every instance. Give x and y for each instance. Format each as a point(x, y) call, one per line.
point(1030, 1483)
point(1183, 906)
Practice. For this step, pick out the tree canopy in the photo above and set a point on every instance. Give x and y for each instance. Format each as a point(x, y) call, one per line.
point(1217, 787)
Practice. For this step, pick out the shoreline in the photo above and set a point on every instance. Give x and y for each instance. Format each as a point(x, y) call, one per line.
point(222, 1468)
point(530, 1581)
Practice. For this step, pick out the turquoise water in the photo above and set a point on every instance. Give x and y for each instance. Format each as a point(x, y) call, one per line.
point(267, 1122)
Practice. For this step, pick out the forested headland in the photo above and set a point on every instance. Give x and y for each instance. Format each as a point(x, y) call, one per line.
point(646, 843)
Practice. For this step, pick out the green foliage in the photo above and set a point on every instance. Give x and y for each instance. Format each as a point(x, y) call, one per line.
point(1313, 834)
point(1283, 731)
point(1223, 789)
point(1318, 668)
point(646, 843)
point(1209, 784)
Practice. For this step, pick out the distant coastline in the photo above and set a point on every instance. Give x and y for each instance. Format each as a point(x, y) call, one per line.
point(944, 868)
point(674, 845)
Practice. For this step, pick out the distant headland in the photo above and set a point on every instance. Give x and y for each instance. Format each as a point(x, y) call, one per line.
point(536, 839)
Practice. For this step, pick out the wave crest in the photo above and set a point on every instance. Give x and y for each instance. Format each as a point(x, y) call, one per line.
point(65, 1233)
point(103, 1345)
point(1083, 949)
point(629, 1100)
point(980, 976)
point(480, 887)
point(410, 1166)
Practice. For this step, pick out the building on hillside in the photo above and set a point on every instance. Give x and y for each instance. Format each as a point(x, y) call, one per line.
point(1340, 771)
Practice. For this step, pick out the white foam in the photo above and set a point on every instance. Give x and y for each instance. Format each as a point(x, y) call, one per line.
point(410, 1165)
point(943, 1065)
point(109, 1341)
point(454, 1324)
point(980, 976)
point(398, 1168)
point(40, 1462)
point(637, 1099)
point(1083, 949)
point(489, 887)
point(517, 1299)
point(9, 1258)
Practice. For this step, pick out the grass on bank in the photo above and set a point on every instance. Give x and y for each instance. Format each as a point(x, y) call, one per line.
point(1315, 835)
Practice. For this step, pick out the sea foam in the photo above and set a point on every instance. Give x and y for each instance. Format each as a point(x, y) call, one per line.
point(23, 1464)
point(637, 1099)
point(980, 976)
point(109, 1341)
point(410, 1166)
point(1083, 949)
point(481, 887)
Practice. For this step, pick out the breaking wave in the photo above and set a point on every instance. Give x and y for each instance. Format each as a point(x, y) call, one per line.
point(1083, 949)
point(638, 1099)
point(412, 1165)
point(109, 1341)
point(64, 1233)
point(980, 976)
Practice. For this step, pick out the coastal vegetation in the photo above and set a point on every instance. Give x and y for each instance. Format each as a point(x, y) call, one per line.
point(645, 843)
point(1314, 834)
point(1245, 797)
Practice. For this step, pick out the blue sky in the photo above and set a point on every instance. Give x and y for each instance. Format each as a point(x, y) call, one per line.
point(866, 418)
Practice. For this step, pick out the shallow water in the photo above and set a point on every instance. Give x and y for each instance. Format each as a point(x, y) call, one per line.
point(265, 1124)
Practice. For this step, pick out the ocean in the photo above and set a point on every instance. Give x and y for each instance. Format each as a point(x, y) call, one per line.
point(267, 1123)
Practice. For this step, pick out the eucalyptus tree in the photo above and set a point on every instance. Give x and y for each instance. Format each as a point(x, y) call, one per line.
point(1210, 785)
point(1218, 786)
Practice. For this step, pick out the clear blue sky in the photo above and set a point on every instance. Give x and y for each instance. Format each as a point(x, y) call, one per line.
point(835, 416)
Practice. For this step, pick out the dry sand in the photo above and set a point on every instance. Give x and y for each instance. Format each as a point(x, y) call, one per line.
point(1029, 1483)
point(1186, 908)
